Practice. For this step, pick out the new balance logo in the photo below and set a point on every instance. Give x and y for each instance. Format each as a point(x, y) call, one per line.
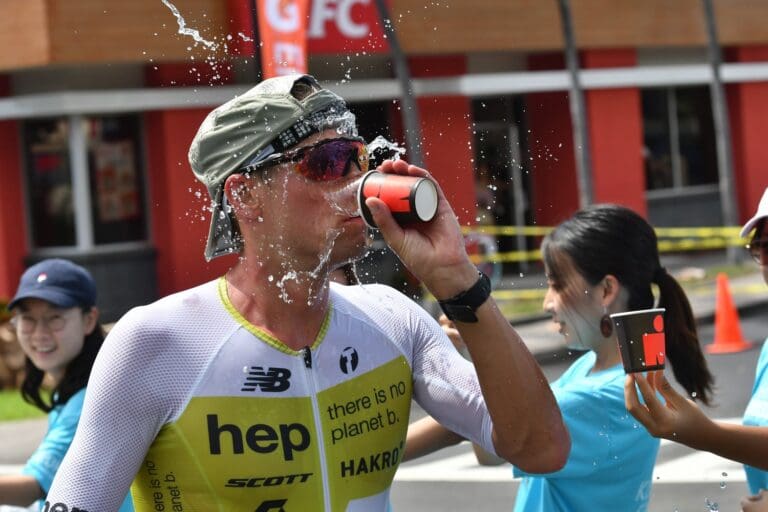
point(271, 380)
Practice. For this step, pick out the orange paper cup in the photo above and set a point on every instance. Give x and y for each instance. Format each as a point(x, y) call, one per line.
point(409, 198)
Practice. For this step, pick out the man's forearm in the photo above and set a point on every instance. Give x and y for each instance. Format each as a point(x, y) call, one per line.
point(528, 427)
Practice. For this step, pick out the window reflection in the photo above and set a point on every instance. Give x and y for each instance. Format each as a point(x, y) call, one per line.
point(679, 141)
point(49, 182)
point(114, 175)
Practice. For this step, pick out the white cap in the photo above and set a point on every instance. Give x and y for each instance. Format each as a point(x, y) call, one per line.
point(761, 213)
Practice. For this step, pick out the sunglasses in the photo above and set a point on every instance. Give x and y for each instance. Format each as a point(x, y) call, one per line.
point(758, 249)
point(327, 160)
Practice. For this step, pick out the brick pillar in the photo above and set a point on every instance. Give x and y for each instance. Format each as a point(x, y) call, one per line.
point(552, 164)
point(447, 136)
point(615, 121)
point(178, 202)
point(13, 221)
point(748, 113)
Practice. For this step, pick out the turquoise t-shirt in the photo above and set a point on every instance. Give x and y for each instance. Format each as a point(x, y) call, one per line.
point(62, 423)
point(612, 457)
point(756, 414)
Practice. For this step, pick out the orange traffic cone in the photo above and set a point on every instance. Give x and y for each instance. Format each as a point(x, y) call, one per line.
point(728, 337)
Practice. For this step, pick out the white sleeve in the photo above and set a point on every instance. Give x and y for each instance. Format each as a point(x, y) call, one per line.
point(445, 384)
point(125, 407)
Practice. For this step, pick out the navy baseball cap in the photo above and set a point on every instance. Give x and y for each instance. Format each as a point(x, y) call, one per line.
point(60, 282)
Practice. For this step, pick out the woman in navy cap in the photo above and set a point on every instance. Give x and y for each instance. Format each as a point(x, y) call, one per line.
point(57, 325)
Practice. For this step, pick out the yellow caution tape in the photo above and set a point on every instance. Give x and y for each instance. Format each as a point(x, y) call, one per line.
point(724, 231)
point(508, 230)
point(691, 239)
point(743, 289)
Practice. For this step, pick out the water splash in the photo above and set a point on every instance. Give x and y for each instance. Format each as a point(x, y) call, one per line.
point(183, 30)
point(342, 201)
point(380, 149)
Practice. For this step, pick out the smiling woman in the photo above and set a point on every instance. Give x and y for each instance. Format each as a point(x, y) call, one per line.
point(56, 323)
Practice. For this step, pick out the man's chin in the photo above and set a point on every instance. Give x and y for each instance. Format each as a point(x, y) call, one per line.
point(353, 251)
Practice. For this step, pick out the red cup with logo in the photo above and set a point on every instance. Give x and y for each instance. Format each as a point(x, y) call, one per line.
point(641, 339)
point(409, 198)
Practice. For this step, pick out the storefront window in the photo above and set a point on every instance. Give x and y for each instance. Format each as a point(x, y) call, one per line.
point(117, 211)
point(679, 138)
point(98, 158)
point(49, 182)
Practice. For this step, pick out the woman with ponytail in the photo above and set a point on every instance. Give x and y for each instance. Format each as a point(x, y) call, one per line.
point(57, 326)
point(602, 260)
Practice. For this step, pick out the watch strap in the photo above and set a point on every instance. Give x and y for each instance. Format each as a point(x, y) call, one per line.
point(462, 307)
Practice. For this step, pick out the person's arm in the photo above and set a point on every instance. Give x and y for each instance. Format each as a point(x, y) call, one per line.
point(43, 464)
point(528, 430)
point(121, 415)
point(19, 490)
point(483, 456)
point(681, 420)
point(426, 436)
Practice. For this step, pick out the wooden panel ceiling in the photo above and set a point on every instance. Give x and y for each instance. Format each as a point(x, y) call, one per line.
point(452, 26)
point(36, 33)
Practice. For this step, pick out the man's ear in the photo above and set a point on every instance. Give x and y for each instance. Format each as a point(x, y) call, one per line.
point(242, 194)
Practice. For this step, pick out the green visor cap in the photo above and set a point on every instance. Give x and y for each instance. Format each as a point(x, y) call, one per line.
point(251, 124)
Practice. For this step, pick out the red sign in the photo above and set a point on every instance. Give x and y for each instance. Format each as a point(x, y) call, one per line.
point(343, 26)
point(283, 34)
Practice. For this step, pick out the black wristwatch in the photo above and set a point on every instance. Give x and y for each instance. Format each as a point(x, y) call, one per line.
point(462, 307)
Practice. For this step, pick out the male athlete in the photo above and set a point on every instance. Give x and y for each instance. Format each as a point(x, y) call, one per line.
point(270, 389)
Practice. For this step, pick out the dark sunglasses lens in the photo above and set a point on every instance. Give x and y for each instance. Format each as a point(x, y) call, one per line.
point(332, 160)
